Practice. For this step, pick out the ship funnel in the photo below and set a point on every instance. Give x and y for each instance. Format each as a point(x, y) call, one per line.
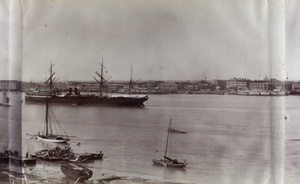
point(75, 91)
point(70, 91)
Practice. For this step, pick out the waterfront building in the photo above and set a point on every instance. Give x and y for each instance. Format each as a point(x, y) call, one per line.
point(192, 87)
point(10, 85)
point(182, 86)
point(187, 86)
point(167, 86)
point(220, 84)
point(260, 85)
point(296, 86)
point(238, 84)
point(110, 87)
point(60, 86)
point(83, 86)
point(241, 85)
point(204, 85)
point(125, 88)
point(231, 83)
point(277, 85)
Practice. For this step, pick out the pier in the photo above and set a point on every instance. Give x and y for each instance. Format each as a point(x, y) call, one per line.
point(21, 161)
point(10, 157)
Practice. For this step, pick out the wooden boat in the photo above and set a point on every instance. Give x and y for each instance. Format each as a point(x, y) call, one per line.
point(92, 156)
point(76, 172)
point(49, 136)
point(75, 160)
point(82, 157)
point(54, 154)
point(167, 161)
point(66, 154)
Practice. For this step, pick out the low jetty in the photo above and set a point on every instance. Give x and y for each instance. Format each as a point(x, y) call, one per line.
point(22, 161)
point(10, 157)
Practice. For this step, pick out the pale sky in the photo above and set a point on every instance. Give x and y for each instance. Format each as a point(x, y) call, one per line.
point(163, 40)
point(4, 32)
point(293, 39)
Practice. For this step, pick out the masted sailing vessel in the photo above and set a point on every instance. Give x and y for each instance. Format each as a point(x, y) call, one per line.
point(77, 98)
point(167, 161)
point(49, 135)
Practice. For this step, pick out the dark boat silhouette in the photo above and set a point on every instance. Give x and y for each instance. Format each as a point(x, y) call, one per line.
point(76, 172)
point(78, 99)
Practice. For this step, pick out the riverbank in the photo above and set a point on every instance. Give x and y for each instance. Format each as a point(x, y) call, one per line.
point(52, 175)
point(10, 178)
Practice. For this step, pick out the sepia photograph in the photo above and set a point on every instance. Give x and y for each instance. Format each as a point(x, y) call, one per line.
point(149, 91)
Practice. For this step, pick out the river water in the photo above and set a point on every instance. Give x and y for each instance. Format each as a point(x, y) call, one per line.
point(229, 139)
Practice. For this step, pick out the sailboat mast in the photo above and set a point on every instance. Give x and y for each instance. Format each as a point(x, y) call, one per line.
point(130, 82)
point(50, 78)
point(168, 137)
point(47, 108)
point(101, 79)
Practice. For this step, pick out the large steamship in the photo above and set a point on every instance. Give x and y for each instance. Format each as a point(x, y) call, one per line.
point(76, 98)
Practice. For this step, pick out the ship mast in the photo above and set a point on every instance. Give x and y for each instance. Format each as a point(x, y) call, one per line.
point(47, 109)
point(130, 82)
point(168, 137)
point(51, 80)
point(102, 80)
point(50, 85)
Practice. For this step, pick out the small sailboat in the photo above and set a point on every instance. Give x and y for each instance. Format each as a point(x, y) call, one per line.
point(49, 136)
point(167, 161)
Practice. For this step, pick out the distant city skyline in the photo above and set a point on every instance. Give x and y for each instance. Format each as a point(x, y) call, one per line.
point(170, 80)
point(169, 40)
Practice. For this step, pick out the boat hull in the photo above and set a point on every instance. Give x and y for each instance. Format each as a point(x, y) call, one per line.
point(52, 139)
point(167, 163)
point(76, 172)
point(75, 160)
point(54, 154)
point(84, 157)
point(113, 101)
point(91, 156)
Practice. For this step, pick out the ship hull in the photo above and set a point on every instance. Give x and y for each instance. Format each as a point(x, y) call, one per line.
point(76, 172)
point(78, 100)
point(53, 140)
point(167, 163)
